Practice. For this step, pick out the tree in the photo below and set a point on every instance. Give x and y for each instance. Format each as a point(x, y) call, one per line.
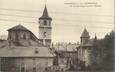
point(106, 46)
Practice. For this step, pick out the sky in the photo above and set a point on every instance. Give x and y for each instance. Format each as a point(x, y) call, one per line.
point(68, 21)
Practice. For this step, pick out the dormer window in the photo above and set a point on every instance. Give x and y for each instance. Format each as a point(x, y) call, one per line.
point(45, 22)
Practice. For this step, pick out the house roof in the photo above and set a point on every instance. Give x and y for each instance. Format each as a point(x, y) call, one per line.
point(45, 14)
point(18, 27)
point(85, 33)
point(26, 52)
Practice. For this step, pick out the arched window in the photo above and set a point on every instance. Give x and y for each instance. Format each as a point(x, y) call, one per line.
point(24, 36)
point(45, 22)
point(22, 66)
point(16, 36)
point(22, 69)
point(44, 34)
point(36, 51)
point(34, 69)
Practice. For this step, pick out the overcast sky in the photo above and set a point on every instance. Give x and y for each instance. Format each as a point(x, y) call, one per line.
point(68, 22)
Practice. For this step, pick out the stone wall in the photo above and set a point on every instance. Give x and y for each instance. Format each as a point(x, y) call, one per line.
point(25, 64)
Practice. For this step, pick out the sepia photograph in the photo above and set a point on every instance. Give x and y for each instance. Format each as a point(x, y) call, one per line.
point(57, 36)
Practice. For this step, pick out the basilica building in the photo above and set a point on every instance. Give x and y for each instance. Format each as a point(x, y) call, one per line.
point(24, 52)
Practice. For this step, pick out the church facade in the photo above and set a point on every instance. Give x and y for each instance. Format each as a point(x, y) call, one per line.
point(24, 52)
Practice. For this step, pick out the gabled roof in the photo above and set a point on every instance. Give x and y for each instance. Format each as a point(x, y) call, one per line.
point(18, 27)
point(22, 28)
point(42, 52)
point(45, 14)
point(85, 33)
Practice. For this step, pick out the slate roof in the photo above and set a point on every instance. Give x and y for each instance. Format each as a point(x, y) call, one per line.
point(26, 52)
point(18, 27)
point(85, 33)
point(45, 14)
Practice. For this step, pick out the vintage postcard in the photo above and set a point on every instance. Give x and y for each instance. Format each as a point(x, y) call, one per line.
point(57, 36)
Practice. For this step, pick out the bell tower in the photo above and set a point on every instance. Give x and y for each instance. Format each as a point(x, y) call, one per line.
point(45, 28)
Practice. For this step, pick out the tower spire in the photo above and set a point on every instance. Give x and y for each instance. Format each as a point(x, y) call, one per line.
point(45, 14)
point(45, 27)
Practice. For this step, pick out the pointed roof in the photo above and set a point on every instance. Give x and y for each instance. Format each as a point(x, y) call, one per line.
point(45, 14)
point(18, 27)
point(85, 33)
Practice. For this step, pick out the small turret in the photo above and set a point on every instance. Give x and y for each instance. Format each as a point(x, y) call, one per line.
point(85, 37)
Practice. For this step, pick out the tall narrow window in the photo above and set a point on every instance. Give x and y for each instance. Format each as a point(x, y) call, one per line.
point(16, 36)
point(34, 64)
point(45, 22)
point(24, 36)
point(44, 34)
point(22, 69)
point(9, 36)
point(34, 69)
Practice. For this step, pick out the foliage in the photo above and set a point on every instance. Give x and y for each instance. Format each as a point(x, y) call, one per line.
point(106, 46)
